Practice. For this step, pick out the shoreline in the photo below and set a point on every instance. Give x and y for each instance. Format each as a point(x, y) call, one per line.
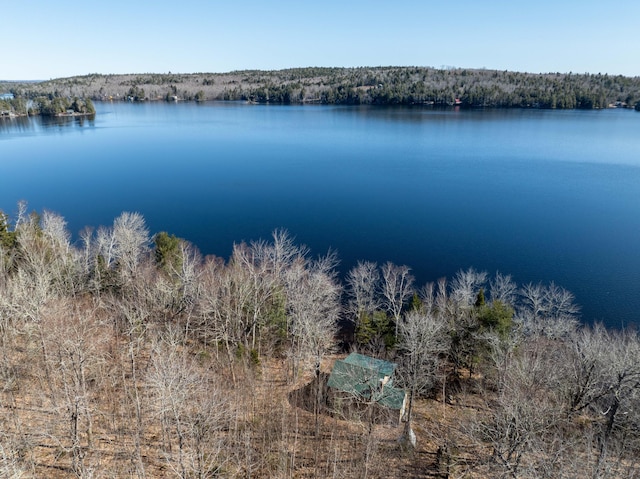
point(57, 115)
point(427, 104)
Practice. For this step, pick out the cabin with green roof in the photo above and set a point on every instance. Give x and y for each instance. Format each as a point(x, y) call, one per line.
point(368, 379)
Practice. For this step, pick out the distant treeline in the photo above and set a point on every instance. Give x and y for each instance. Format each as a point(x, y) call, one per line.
point(353, 86)
point(46, 105)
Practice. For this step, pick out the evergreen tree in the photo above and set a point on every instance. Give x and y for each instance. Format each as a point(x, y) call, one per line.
point(167, 252)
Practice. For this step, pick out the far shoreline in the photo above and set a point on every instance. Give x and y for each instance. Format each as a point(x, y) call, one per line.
point(463, 87)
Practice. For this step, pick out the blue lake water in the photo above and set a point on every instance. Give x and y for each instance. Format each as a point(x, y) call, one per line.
point(542, 195)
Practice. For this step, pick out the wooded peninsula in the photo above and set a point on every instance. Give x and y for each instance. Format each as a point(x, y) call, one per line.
point(127, 354)
point(472, 88)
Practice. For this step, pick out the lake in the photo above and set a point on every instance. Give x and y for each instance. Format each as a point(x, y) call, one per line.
point(541, 195)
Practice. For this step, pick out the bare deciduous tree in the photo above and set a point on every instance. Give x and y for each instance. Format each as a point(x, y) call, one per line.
point(462, 315)
point(75, 338)
point(525, 413)
point(363, 286)
point(189, 284)
point(397, 288)
point(423, 339)
point(226, 292)
point(465, 287)
point(130, 242)
point(191, 410)
point(281, 253)
point(619, 399)
point(263, 283)
point(503, 289)
point(313, 305)
point(548, 311)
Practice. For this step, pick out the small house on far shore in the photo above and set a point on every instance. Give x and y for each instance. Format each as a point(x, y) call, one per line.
point(368, 379)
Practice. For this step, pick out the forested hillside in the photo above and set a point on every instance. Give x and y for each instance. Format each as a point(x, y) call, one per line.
point(127, 354)
point(352, 86)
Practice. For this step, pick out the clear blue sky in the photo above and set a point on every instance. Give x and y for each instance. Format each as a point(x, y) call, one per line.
point(42, 39)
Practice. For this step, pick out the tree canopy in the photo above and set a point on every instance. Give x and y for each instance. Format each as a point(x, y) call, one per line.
point(130, 353)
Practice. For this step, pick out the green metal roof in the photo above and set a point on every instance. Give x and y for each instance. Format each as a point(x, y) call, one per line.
point(362, 376)
point(392, 397)
point(384, 368)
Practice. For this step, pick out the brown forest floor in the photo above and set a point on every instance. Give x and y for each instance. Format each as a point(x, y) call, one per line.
point(270, 430)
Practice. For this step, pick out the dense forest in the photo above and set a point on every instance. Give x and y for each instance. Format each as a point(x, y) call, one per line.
point(353, 86)
point(127, 354)
point(49, 105)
